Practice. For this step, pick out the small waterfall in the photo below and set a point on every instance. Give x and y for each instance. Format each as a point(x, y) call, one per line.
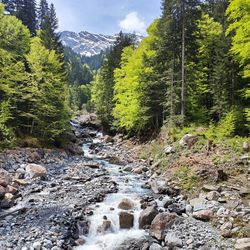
point(106, 213)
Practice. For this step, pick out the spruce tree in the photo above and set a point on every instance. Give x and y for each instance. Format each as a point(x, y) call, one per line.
point(43, 11)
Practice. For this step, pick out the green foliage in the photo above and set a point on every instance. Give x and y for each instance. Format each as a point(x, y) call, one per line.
point(239, 14)
point(32, 86)
point(48, 93)
point(187, 180)
point(102, 91)
point(14, 36)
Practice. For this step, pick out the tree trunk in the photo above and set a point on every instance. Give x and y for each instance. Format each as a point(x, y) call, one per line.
point(183, 87)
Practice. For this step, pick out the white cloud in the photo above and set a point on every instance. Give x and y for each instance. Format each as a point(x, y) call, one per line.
point(132, 23)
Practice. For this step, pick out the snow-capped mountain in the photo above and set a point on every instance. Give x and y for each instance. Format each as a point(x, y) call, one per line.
point(86, 43)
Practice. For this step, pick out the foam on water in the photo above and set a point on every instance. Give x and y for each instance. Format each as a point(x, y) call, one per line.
point(129, 187)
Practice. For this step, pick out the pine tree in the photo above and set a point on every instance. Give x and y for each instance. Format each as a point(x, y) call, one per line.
point(46, 114)
point(239, 15)
point(49, 25)
point(14, 43)
point(43, 11)
point(103, 85)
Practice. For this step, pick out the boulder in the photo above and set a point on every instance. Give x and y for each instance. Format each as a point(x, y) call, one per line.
point(127, 168)
point(204, 215)
point(159, 186)
point(172, 241)
point(155, 246)
point(126, 220)
point(161, 223)
point(139, 170)
point(246, 146)
point(166, 201)
point(188, 140)
point(178, 208)
point(5, 177)
point(147, 216)
point(244, 192)
point(108, 139)
point(169, 150)
point(126, 204)
point(2, 191)
point(242, 244)
point(34, 171)
point(106, 226)
point(11, 189)
point(213, 196)
point(209, 188)
point(226, 229)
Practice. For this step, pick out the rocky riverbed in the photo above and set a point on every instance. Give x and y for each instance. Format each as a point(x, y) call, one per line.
point(54, 199)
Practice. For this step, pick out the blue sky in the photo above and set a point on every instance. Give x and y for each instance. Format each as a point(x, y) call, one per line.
point(106, 16)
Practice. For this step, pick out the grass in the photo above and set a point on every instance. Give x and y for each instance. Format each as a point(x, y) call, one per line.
point(186, 178)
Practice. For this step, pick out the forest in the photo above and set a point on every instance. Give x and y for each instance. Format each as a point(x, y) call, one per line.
point(193, 68)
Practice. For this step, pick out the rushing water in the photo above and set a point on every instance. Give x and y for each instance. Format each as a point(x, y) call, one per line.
point(130, 186)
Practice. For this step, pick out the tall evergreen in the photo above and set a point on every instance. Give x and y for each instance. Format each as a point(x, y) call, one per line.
point(48, 34)
point(25, 10)
point(103, 86)
point(43, 11)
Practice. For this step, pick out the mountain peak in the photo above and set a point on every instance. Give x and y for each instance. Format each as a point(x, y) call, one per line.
point(88, 44)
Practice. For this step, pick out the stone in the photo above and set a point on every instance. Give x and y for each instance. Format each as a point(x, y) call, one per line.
point(3, 182)
point(189, 209)
point(21, 182)
point(209, 188)
point(167, 201)
point(213, 196)
point(189, 241)
point(127, 169)
point(126, 204)
point(162, 222)
point(37, 246)
point(172, 241)
point(155, 246)
point(226, 229)
point(108, 139)
point(246, 146)
point(34, 171)
point(126, 220)
point(178, 208)
point(204, 215)
point(188, 140)
point(11, 189)
point(106, 226)
point(8, 196)
point(138, 170)
point(169, 150)
point(2, 191)
point(243, 244)
point(159, 186)
point(147, 216)
point(244, 192)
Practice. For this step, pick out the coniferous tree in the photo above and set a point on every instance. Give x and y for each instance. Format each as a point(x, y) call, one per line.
point(103, 85)
point(26, 12)
point(43, 11)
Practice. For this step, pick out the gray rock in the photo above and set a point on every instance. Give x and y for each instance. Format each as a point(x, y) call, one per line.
point(37, 245)
point(155, 246)
point(242, 244)
point(162, 222)
point(169, 149)
point(147, 216)
point(172, 241)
